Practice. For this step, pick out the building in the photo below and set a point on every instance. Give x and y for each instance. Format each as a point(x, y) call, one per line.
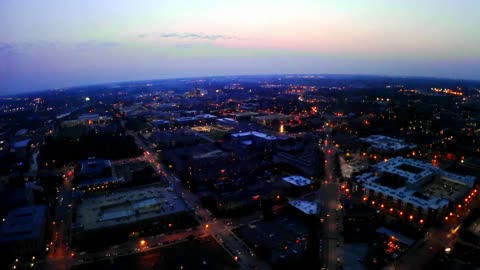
point(268, 120)
point(88, 120)
point(227, 122)
point(305, 160)
point(253, 137)
point(151, 208)
point(206, 118)
point(298, 181)
point(93, 168)
point(167, 139)
point(161, 124)
point(387, 145)
point(23, 231)
point(415, 190)
point(295, 185)
point(21, 148)
point(305, 207)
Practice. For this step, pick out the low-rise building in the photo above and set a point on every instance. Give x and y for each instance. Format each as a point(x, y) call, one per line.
point(415, 190)
point(387, 145)
point(23, 231)
point(146, 208)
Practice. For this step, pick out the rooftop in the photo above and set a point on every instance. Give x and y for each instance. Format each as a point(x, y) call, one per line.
point(206, 116)
point(387, 143)
point(427, 186)
point(89, 117)
point(227, 120)
point(409, 169)
point(93, 165)
point(23, 223)
point(400, 237)
point(21, 144)
point(254, 134)
point(99, 181)
point(297, 180)
point(129, 206)
point(309, 208)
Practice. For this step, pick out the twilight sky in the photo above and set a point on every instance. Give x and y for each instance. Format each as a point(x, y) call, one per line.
point(49, 44)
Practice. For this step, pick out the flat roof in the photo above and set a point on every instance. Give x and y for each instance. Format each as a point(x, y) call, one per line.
point(419, 173)
point(93, 165)
point(297, 180)
point(387, 143)
point(255, 134)
point(21, 144)
point(206, 116)
point(400, 237)
point(129, 206)
point(309, 208)
point(227, 120)
point(214, 153)
point(409, 169)
point(89, 117)
point(23, 223)
point(99, 181)
point(272, 116)
point(186, 119)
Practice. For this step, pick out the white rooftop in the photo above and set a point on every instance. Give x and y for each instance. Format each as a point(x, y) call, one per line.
point(255, 134)
point(387, 143)
point(297, 180)
point(129, 206)
point(309, 208)
point(414, 172)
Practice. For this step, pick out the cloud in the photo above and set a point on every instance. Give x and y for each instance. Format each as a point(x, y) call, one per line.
point(197, 36)
point(193, 45)
point(31, 47)
point(92, 44)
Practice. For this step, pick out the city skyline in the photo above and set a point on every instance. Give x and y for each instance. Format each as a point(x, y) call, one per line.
point(50, 44)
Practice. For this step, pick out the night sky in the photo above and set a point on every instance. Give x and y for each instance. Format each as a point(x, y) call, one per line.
point(49, 44)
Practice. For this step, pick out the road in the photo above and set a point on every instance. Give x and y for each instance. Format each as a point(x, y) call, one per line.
point(329, 197)
point(59, 256)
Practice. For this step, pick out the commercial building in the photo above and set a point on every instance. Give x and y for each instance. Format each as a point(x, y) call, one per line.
point(253, 137)
point(415, 190)
point(385, 144)
point(297, 180)
point(305, 207)
point(93, 168)
point(227, 122)
point(152, 207)
point(23, 231)
point(87, 120)
point(268, 120)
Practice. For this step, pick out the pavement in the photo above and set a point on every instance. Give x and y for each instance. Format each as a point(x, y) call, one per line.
point(329, 197)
